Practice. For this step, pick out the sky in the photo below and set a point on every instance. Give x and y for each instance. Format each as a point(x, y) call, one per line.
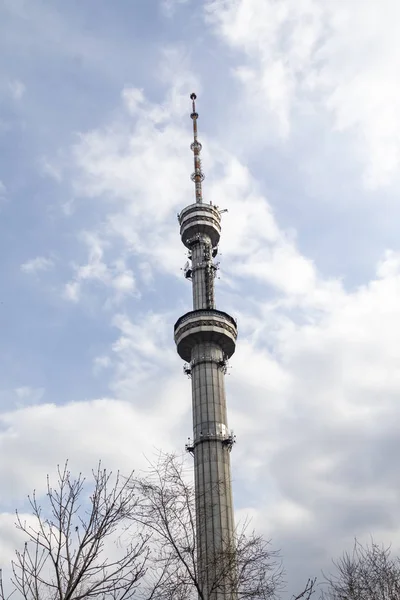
point(299, 121)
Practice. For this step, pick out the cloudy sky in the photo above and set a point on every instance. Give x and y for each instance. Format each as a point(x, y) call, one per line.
point(300, 125)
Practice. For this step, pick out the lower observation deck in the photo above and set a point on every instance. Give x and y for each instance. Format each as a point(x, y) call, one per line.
point(205, 326)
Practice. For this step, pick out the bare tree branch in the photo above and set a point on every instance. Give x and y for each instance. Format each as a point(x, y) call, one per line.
point(64, 557)
point(367, 573)
point(308, 590)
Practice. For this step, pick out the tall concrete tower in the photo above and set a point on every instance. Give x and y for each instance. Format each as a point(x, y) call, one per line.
point(205, 338)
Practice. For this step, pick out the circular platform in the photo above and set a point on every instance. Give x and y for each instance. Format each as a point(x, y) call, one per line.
point(200, 219)
point(205, 325)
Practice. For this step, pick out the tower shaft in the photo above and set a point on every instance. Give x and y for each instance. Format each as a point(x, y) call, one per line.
point(206, 339)
point(214, 504)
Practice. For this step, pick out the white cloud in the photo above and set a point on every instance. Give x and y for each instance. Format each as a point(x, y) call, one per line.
point(35, 265)
point(11, 538)
point(134, 99)
point(120, 430)
point(39, 437)
point(68, 207)
point(124, 281)
point(50, 169)
point(27, 395)
point(72, 291)
point(146, 273)
point(3, 191)
point(143, 352)
point(301, 58)
point(320, 421)
point(117, 165)
point(116, 276)
point(100, 363)
point(390, 264)
point(169, 7)
point(17, 88)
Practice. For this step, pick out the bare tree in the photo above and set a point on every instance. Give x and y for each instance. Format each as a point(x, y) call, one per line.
point(134, 535)
point(166, 509)
point(367, 573)
point(64, 555)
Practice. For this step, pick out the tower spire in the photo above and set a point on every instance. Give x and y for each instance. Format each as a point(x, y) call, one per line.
point(197, 175)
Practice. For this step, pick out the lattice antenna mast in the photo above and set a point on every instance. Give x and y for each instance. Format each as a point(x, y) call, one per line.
point(198, 175)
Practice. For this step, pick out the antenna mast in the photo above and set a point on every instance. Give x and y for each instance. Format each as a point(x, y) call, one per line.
point(197, 176)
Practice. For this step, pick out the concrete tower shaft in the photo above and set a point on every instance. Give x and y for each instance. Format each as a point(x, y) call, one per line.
point(205, 338)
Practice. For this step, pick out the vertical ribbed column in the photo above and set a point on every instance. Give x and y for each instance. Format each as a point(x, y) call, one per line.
point(199, 276)
point(214, 505)
point(203, 272)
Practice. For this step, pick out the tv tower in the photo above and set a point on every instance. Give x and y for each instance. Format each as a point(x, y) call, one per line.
point(205, 338)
